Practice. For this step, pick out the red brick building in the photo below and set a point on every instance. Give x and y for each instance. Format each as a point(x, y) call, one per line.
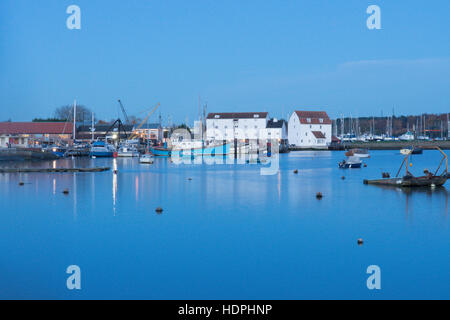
point(24, 134)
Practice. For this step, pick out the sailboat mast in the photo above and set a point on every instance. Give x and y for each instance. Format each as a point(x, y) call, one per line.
point(74, 119)
point(92, 126)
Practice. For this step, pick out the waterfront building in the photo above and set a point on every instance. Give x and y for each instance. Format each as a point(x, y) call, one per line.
point(310, 129)
point(236, 125)
point(28, 134)
point(101, 130)
point(276, 129)
point(153, 130)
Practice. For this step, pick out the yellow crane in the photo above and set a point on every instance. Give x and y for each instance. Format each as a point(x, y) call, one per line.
point(134, 134)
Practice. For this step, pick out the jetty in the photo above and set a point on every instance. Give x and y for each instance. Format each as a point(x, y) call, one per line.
point(22, 154)
point(53, 170)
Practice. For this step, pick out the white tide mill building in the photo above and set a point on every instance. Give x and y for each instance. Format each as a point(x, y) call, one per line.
point(236, 125)
point(309, 129)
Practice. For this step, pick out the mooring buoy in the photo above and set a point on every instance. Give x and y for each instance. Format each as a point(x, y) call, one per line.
point(66, 191)
point(21, 183)
point(159, 210)
point(295, 171)
point(343, 178)
point(319, 195)
point(360, 242)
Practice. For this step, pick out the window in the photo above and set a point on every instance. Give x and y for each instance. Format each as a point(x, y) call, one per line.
point(321, 120)
point(256, 116)
point(217, 116)
point(308, 120)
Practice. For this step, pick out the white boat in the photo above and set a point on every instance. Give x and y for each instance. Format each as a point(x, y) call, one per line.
point(146, 158)
point(359, 153)
point(101, 149)
point(408, 136)
point(128, 151)
point(351, 162)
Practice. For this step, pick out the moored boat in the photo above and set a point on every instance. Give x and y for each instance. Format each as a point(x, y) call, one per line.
point(360, 153)
point(128, 151)
point(146, 158)
point(197, 148)
point(101, 149)
point(351, 163)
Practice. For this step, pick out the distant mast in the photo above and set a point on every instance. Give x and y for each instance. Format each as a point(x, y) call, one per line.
point(74, 118)
point(92, 127)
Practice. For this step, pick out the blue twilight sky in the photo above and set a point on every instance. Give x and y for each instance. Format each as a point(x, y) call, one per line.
point(247, 55)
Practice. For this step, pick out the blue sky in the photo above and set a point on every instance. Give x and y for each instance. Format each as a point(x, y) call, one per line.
point(245, 55)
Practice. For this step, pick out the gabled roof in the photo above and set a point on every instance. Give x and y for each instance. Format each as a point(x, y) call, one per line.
point(313, 117)
point(275, 123)
point(318, 135)
point(36, 127)
point(238, 115)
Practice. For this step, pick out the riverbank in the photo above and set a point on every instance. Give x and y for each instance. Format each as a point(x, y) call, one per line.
point(397, 145)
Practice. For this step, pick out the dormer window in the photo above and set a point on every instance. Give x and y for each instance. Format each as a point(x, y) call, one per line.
point(308, 120)
point(217, 116)
point(256, 116)
point(321, 120)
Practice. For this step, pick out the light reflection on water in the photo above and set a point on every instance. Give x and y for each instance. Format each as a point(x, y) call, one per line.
point(225, 232)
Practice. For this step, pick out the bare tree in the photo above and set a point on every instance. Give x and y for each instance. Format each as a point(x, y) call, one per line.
point(84, 114)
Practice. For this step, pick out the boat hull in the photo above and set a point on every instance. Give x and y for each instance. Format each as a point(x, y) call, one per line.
point(128, 154)
point(101, 154)
point(424, 181)
point(350, 166)
point(215, 150)
point(161, 152)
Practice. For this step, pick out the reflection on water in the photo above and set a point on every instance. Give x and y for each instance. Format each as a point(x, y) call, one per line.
point(226, 232)
point(114, 184)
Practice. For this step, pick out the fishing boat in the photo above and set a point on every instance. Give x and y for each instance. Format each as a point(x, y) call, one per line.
point(101, 149)
point(128, 150)
point(429, 179)
point(351, 163)
point(360, 153)
point(198, 148)
point(160, 151)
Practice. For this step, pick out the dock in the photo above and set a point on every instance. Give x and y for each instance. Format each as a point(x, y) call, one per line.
point(53, 170)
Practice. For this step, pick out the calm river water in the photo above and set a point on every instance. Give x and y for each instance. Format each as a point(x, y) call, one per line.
point(226, 231)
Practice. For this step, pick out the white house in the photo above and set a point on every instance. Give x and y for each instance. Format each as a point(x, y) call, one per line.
point(236, 125)
point(309, 129)
point(277, 129)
